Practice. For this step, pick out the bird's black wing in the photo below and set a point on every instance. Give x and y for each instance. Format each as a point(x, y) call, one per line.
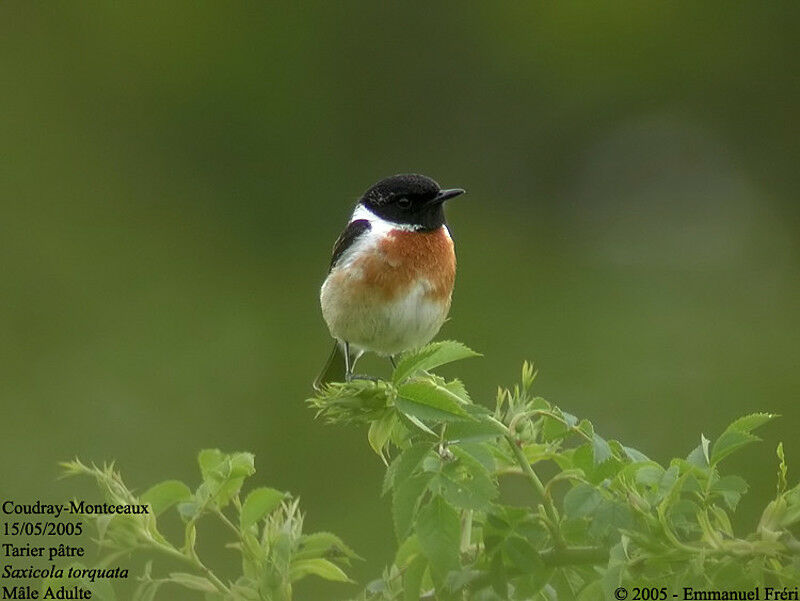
point(350, 234)
point(335, 367)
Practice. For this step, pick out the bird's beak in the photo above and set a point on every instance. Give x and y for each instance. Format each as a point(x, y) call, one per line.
point(448, 194)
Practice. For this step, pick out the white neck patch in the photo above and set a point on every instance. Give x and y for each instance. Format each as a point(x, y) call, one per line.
point(379, 225)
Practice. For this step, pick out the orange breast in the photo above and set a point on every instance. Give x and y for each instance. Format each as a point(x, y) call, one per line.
point(405, 257)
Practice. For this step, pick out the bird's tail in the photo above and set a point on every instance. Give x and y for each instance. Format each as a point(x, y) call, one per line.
point(334, 370)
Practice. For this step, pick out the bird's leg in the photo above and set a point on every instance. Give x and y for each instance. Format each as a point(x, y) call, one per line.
point(363, 377)
point(394, 363)
point(350, 376)
point(350, 363)
point(348, 369)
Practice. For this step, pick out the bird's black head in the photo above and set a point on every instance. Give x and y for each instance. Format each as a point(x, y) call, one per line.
point(409, 199)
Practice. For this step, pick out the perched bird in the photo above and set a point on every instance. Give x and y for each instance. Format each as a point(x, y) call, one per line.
point(391, 276)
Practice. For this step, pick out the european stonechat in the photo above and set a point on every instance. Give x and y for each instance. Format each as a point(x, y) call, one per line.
point(391, 276)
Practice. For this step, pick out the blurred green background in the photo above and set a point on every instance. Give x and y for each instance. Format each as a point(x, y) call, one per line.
point(173, 176)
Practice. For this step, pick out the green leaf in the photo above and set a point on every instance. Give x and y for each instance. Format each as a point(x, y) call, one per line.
point(721, 520)
point(748, 423)
point(433, 355)
point(216, 465)
point(557, 424)
point(480, 452)
point(317, 567)
point(146, 591)
point(439, 530)
point(223, 474)
point(405, 465)
point(505, 521)
point(669, 480)
point(635, 455)
point(729, 442)
point(737, 435)
point(259, 503)
point(211, 461)
point(591, 592)
point(609, 519)
point(582, 459)
point(461, 580)
point(466, 483)
point(405, 501)
point(457, 387)
point(323, 543)
point(412, 578)
point(522, 555)
point(242, 465)
point(486, 428)
point(582, 500)
point(190, 581)
point(188, 509)
point(380, 431)
point(430, 395)
point(699, 456)
point(425, 413)
point(792, 513)
point(407, 551)
point(601, 449)
point(782, 469)
point(731, 489)
point(534, 584)
point(498, 576)
point(164, 495)
point(415, 421)
point(648, 473)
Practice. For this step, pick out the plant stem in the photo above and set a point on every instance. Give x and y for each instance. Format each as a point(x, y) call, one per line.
point(227, 522)
point(549, 507)
point(194, 560)
point(220, 586)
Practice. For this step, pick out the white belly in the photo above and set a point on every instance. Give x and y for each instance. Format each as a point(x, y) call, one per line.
point(410, 321)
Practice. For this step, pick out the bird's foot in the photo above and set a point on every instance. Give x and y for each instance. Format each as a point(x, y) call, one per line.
point(351, 377)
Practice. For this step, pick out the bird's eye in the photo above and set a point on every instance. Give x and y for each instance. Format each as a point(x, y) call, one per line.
point(404, 203)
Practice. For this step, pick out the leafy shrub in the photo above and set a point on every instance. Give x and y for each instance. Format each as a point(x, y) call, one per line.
point(267, 527)
point(608, 516)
